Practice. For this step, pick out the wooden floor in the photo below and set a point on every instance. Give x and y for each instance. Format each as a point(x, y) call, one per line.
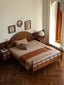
point(12, 73)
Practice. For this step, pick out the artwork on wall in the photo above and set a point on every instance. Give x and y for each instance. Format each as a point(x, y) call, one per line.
point(11, 29)
point(19, 23)
point(27, 25)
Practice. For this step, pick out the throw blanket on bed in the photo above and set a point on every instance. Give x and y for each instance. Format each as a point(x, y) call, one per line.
point(33, 53)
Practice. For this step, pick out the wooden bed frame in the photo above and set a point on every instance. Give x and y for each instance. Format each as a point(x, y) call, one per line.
point(29, 37)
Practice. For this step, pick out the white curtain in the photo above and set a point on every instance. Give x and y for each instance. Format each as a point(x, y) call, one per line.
point(62, 5)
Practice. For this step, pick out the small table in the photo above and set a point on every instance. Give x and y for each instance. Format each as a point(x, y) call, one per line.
point(5, 53)
point(42, 39)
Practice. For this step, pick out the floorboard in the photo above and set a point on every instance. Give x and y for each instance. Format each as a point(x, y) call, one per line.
point(12, 73)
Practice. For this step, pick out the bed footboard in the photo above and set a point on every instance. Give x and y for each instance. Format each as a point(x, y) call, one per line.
point(44, 63)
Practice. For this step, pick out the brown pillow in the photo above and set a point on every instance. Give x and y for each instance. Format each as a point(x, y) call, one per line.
point(23, 46)
point(23, 41)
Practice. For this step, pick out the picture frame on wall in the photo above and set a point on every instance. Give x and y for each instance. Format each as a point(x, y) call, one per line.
point(19, 23)
point(11, 29)
point(27, 25)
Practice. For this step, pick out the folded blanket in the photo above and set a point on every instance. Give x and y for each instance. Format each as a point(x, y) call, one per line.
point(29, 55)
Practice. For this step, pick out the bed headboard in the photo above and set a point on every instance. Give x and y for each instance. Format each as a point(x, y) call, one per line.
point(20, 36)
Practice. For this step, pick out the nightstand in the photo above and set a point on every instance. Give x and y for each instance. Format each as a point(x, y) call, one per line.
point(5, 53)
point(42, 39)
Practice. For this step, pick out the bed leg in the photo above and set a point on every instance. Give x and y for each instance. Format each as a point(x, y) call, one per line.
point(44, 73)
point(33, 71)
point(58, 63)
point(61, 55)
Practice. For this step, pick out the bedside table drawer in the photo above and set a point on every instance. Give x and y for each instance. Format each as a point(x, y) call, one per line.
point(5, 55)
point(43, 41)
point(8, 53)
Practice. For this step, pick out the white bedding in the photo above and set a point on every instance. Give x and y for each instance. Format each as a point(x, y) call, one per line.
point(34, 45)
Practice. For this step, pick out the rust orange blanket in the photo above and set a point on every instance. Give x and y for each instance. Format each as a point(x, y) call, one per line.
point(33, 53)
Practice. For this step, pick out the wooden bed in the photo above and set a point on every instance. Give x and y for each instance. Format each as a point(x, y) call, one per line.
point(29, 37)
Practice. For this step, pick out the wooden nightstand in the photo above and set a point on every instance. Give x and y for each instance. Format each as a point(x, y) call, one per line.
point(42, 39)
point(5, 53)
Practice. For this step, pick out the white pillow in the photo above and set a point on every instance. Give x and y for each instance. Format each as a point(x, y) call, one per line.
point(41, 33)
point(23, 41)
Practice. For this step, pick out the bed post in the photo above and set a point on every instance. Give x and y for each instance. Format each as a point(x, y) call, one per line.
point(61, 54)
point(32, 68)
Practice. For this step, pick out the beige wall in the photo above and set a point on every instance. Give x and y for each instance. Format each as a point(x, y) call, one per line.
point(13, 10)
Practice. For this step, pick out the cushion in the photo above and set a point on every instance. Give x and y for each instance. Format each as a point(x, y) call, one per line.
point(23, 41)
point(23, 46)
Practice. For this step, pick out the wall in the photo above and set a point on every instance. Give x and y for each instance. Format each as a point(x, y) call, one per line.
point(13, 10)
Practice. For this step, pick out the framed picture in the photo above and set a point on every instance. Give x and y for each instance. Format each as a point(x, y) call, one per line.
point(28, 25)
point(19, 23)
point(11, 29)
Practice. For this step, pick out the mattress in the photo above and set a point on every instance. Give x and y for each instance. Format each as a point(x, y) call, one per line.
point(36, 52)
